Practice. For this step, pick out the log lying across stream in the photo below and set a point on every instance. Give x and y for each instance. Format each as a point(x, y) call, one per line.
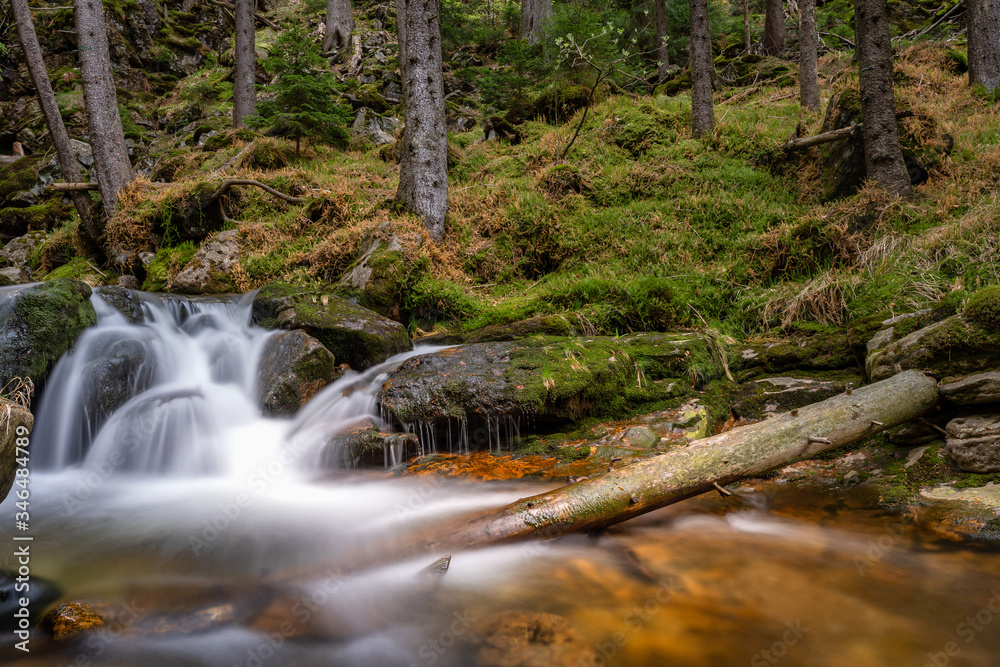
point(642, 487)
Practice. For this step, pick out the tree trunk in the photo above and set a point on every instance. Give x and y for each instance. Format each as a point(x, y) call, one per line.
point(662, 52)
point(244, 96)
point(746, 26)
point(774, 27)
point(684, 472)
point(423, 161)
point(984, 43)
point(883, 156)
point(533, 16)
point(702, 114)
point(808, 45)
point(339, 24)
point(53, 119)
point(107, 139)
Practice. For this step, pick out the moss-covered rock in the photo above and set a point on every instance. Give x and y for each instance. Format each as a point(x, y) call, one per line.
point(39, 324)
point(768, 397)
point(557, 102)
point(13, 417)
point(210, 270)
point(823, 348)
point(293, 368)
point(387, 270)
point(548, 325)
point(951, 348)
point(556, 379)
point(983, 308)
point(356, 336)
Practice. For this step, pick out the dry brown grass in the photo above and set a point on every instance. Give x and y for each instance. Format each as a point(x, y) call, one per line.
point(822, 299)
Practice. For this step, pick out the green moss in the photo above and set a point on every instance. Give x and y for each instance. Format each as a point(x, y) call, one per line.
point(81, 269)
point(983, 307)
point(18, 176)
point(167, 264)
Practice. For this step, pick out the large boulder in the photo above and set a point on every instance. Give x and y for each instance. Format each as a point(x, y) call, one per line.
point(120, 373)
point(293, 368)
point(825, 349)
point(356, 336)
point(955, 347)
point(973, 442)
point(13, 416)
point(548, 378)
point(209, 271)
point(386, 269)
point(38, 324)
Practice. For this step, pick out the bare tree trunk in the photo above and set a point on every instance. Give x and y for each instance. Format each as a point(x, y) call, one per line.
point(107, 138)
point(533, 16)
point(662, 52)
point(774, 27)
point(339, 24)
point(883, 156)
point(423, 161)
point(808, 46)
point(746, 26)
point(984, 43)
point(702, 114)
point(244, 96)
point(53, 119)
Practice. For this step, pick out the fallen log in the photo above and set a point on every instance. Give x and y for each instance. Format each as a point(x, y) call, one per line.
point(642, 487)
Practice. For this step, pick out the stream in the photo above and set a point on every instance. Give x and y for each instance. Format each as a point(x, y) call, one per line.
point(208, 535)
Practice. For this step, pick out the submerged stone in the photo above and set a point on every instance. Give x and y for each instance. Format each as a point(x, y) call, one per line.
point(293, 368)
point(356, 336)
point(72, 618)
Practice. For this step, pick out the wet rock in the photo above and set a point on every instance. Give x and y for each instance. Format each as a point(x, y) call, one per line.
point(355, 335)
point(381, 129)
point(42, 594)
point(973, 442)
point(529, 639)
point(120, 373)
point(640, 436)
point(125, 301)
point(364, 444)
point(762, 399)
point(12, 417)
point(973, 389)
point(550, 378)
point(952, 347)
point(38, 324)
point(70, 619)
point(294, 366)
point(209, 270)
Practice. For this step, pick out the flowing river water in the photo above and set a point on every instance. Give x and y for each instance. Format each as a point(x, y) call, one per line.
point(207, 535)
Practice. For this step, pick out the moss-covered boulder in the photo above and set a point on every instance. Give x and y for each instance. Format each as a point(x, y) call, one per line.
point(387, 270)
point(952, 348)
point(874, 332)
point(355, 335)
point(548, 378)
point(13, 417)
point(768, 397)
point(824, 348)
point(38, 324)
point(293, 368)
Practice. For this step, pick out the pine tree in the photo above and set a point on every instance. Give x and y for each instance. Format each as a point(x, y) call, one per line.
point(301, 102)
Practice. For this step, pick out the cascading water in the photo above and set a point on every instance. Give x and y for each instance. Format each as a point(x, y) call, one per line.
point(160, 495)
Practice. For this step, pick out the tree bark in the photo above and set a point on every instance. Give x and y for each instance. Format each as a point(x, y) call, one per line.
point(883, 156)
point(533, 16)
point(53, 119)
point(746, 26)
point(702, 114)
point(244, 77)
point(423, 162)
point(684, 472)
point(808, 49)
point(662, 52)
point(984, 43)
point(107, 138)
point(774, 27)
point(339, 24)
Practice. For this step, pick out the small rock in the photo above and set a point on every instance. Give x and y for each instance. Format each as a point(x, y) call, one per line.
point(973, 442)
point(82, 152)
point(72, 618)
point(367, 123)
point(209, 269)
point(639, 436)
point(17, 275)
point(913, 433)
